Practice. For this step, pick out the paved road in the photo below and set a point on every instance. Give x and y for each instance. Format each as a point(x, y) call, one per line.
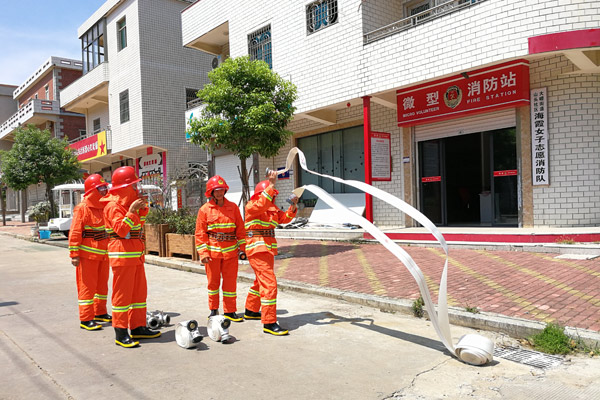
point(336, 350)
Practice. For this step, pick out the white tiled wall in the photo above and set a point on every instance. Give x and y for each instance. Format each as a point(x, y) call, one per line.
point(573, 196)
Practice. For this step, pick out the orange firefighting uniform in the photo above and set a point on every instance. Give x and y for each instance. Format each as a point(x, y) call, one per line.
point(212, 221)
point(88, 241)
point(262, 213)
point(126, 257)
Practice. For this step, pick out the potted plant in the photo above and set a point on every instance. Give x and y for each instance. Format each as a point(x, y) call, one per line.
point(40, 213)
point(181, 239)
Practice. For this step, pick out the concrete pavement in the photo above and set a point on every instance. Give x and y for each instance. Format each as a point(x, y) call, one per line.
point(336, 349)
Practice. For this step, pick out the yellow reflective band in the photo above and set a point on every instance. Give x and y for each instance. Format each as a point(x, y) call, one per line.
point(213, 292)
point(127, 221)
point(268, 302)
point(267, 195)
point(265, 224)
point(222, 225)
point(94, 228)
point(254, 292)
point(100, 296)
point(229, 294)
point(92, 250)
point(261, 243)
point(73, 248)
point(86, 302)
point(138, 305)
point(133, 254)
point(121, 308)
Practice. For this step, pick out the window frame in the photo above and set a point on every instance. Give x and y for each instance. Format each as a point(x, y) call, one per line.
point(93, 46)
point(124, 106)
point(122, 33)
point(99, 128)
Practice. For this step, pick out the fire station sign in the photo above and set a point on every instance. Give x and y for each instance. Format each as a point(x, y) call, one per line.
point(539, 137)
point(90, 148)
point(500, 86)
point(151, 168)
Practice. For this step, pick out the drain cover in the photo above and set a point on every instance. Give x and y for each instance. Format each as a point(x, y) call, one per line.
point(527, 357)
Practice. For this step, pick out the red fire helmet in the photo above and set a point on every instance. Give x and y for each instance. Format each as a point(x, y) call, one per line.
point(92, 182)
point(122, 177)
point(216, 182)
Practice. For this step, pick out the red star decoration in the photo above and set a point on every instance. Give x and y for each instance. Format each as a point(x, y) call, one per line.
point(102, 148)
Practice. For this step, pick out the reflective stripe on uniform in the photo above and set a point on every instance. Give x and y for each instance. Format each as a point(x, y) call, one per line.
point(222, 226)
point(213, 292)
point(94, 228)
point(121, 309)
point(93, 250)
point(139, 305)
point(229, 294)
point(86, 302)
point(266, 224)
point(125, 254)
point(100, 296)
point(127, 221)
point(223, 249)
point(254, 292)
point(267, 195)
point(73, 248)
point(261, 243)
point(266, 302)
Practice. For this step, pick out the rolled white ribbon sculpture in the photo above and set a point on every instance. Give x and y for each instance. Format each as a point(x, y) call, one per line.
point(472, 349)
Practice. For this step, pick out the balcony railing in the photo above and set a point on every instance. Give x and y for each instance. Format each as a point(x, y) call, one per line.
point(26, 113)
point(418, 19)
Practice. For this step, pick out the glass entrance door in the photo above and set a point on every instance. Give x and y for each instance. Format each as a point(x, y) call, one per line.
point(470, 180)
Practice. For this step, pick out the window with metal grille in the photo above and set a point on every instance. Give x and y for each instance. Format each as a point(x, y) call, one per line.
point(259, 45)
point(191, 96)
point(124, 105)
point(121, 34)
point(321, 14)
point(417, 8)
point(97, 126)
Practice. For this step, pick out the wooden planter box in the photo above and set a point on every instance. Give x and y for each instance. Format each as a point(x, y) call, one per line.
point(155, 238)
point(181, 245)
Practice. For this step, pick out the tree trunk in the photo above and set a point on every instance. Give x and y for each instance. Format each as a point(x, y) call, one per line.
point(3, 201)
point(51, 200)
point(245, 187)
point(23, 203)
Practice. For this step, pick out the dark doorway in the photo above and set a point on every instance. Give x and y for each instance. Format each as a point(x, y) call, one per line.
point(470, 180)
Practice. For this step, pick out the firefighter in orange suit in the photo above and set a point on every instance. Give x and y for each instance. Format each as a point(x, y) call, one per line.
point(87, 247)
point(124, 215)
point(220, 235)
point(262, 217)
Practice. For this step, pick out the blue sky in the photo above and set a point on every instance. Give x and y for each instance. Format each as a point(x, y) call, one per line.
point(33, 30)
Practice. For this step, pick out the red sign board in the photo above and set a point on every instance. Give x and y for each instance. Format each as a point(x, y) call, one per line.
point(508, 172)
point(90, 148)
point(431, 179)
point(499, 86)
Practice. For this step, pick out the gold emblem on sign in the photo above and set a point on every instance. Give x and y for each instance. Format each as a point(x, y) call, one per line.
point(453, 96)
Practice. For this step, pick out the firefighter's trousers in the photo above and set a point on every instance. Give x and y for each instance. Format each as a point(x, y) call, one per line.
point(263, 293)
point(129, 296)
point(92, 287)
point(228, 269)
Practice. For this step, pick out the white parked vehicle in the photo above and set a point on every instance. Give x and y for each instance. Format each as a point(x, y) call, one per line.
point(70, 194)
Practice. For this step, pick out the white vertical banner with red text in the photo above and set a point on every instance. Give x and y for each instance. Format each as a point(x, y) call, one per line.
point(539, 137)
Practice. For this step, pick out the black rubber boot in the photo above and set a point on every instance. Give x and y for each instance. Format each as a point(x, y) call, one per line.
point(213, 313)
point(123, 339)
point(103, 318)
point(233, 317)
point(142, 332)
point(90, 325)
point(274, 329)
point(251, 314)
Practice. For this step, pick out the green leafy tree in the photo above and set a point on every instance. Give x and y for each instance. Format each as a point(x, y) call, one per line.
point(37, 157)
point(248, 107)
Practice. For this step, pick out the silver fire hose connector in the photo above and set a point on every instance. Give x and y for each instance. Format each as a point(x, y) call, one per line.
point(156, 319)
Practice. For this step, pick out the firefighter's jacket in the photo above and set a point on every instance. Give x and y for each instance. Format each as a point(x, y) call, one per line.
point(125, 244)
point(87, 237)
point(219, 230)
point(263, 214)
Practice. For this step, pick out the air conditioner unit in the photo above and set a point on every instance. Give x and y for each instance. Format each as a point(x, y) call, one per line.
point(216, 61)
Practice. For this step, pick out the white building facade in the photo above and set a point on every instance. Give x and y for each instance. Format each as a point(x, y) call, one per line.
point(133, 92)
point(478, 113)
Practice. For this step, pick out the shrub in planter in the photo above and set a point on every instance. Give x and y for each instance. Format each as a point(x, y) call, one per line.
point(182, 224)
